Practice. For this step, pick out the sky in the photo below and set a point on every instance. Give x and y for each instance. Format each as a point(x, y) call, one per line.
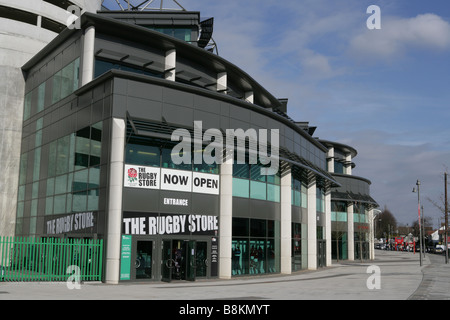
point(385, 92)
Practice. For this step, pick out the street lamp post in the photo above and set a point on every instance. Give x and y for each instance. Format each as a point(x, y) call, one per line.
point(420, 227)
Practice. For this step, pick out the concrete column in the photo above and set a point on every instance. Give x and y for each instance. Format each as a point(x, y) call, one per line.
point(348, 166)
point(328, 225)
point(312, 227)
point(114, 213)
point(286, 222)
point(225, 218)
point(330, 159)
point(87, 74)
point(350, 233)
point(170, 65)
point(222, 82)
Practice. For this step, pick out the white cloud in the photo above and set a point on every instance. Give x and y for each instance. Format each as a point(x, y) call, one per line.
point(397, 35)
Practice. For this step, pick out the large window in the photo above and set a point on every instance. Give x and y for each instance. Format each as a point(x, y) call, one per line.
point(157, 153)
point(69, 181)
point(299, 195)
point(74, 172)
point(66, 80)
point(359, 213)
point(339, 245)
point(299, 254)
point(255, 246)
point(248, 182)
point(180, 33)
point(102, 66)
point(338, 211)
point(320, 200)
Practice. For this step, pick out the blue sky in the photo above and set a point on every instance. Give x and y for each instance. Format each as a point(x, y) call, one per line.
point(385, 92)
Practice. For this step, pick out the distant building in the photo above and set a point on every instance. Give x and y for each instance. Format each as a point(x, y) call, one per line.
point(351, 206)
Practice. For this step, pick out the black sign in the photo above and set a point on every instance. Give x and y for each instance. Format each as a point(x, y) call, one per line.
point(167, 224)
point(214, 256)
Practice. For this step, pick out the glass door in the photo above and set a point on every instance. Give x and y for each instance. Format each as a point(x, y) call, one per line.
point(167, 263)
point(144, 259)
point(190, 260)
point(201, 258)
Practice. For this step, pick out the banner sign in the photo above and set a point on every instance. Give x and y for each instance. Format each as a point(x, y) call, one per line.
point(170, 179)
point(154, 224)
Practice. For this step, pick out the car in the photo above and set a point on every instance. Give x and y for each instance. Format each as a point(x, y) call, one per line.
point(437, 249)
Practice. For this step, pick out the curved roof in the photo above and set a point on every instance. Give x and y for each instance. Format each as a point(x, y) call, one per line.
point(109, 26)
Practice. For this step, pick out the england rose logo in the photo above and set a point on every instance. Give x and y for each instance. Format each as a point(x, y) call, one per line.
point(132, 175)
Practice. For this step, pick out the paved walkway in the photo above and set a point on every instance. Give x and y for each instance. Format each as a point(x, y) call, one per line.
point(391, 276)
point(436, 279)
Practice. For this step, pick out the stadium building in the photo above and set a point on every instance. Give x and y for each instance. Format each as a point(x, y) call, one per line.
point(110, 109)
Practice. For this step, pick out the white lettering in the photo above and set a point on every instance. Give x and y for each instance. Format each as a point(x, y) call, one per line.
point(374, 21)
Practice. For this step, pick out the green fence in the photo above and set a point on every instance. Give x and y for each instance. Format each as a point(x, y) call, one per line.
point(50, 259)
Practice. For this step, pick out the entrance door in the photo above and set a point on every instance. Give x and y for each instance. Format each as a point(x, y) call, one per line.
point(321, 253)
point(201, 258)
point(167, 263)
point(190, 260)
point(178, 260)
point(144, 259)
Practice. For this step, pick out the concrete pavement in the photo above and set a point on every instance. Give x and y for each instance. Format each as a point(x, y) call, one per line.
point(391, 276)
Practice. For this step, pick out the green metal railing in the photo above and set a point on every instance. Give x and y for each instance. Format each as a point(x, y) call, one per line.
point(49, 259)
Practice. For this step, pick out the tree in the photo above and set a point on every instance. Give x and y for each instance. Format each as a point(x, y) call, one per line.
point(386, 223)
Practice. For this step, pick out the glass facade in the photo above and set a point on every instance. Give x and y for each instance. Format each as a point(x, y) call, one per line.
point(61, 84)
point(360, 213)
point(320, 199)
point(65, 178)
point(299, 196)
point(299, 247)
point(255, 246)
point(339, 211)
point(339, 245)
point(102, 66)
point(158, 153)
point(181, 33)
point(248, 182)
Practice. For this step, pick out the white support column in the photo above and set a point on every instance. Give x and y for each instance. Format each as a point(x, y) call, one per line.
point(330, 157)
point(222, 82)
point(348, 165)
point(312, 227)
point(328, 225)
point(114, 214)
point(88, 56)
point(350, 233)
point(170, 65)
point(286, 222)
point(225, 218)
